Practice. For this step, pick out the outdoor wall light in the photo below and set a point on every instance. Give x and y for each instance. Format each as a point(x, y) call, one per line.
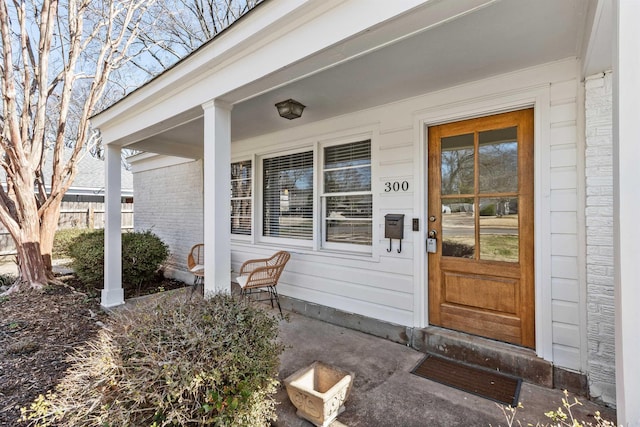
point(290, 109)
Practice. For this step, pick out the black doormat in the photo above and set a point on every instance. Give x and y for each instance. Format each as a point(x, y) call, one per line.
point(485, 383)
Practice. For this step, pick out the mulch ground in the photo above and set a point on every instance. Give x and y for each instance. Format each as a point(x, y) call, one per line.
point(38, 332)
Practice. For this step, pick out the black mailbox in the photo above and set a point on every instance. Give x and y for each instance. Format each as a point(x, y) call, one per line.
point(394, 226)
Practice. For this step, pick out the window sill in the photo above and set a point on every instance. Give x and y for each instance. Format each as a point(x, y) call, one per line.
point(300, 250)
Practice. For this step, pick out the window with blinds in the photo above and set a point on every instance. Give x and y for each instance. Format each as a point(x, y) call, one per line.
point(288, 196)
point(347, 197)
point(241, 197)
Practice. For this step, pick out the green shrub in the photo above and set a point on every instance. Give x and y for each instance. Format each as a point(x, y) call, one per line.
point(142, 255)
point(457, 249)
point(87, 251)
point(171, 363)
point(63, 239)
point(488, 210)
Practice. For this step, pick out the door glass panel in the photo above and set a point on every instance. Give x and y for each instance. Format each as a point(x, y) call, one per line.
point(499, 238)
point(498, 159)
point(457, 164)
point(458, 228)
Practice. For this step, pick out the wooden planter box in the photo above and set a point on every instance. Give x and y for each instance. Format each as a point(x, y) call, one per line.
point(319, 392)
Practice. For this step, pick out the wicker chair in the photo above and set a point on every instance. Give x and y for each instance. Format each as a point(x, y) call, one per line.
point(261, 275)
point(195, 263)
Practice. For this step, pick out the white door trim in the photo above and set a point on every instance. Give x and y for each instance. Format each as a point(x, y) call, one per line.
point(538, 97)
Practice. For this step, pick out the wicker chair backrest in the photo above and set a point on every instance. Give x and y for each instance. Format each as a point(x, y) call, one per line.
point(269, 273)
point(196, 256)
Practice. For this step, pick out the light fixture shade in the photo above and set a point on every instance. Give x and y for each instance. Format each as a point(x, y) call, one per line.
point(290, 109)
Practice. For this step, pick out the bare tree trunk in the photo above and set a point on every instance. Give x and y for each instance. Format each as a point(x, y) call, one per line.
point(33, 271)
point(34, 244)
point(48, 226)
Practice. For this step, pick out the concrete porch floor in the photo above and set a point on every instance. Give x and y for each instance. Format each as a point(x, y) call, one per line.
point(385, 393)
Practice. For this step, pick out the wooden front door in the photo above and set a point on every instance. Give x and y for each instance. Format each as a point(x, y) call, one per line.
point(481, 275)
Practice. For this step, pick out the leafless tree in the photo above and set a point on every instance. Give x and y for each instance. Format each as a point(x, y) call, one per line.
point(60, 62)
point(181, 26)
point(56, 61)
point(173, 29)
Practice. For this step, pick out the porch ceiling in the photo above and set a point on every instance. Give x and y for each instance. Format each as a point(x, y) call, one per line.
point(501, 37)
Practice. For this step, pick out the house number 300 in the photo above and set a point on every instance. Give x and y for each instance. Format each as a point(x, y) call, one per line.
point(396, 186)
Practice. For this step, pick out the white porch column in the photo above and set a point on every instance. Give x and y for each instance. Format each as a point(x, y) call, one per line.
point(112, 293)
point(626, 152)
point(217, 204)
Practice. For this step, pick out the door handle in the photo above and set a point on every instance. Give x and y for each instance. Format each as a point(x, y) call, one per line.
point(433, 234)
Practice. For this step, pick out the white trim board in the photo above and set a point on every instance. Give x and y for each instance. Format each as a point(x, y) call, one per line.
point(148, 161)
point(538, 97)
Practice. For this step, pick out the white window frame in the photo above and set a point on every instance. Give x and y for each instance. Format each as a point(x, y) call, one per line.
point(322, 196)
point(259, 187)
point(252, 198)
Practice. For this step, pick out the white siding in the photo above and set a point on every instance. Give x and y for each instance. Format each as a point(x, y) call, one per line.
point(390, 286)
point(170, 203)
point(565, 253)
point(599, 224)
point(378, 285)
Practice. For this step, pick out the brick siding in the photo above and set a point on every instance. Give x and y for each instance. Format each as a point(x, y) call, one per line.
point(599, 223)
point(170, 203)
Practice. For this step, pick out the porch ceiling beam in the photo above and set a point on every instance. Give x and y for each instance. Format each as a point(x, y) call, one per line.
point(131, 134)
point(170, 148)
point(596, 49)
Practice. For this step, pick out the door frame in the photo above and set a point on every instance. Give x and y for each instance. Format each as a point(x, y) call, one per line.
point(538, 98)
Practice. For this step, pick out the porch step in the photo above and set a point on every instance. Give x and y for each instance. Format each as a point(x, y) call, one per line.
point(470, 349)
point(474, 350)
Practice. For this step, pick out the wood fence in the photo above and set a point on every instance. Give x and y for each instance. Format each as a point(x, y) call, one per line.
point(88, 215)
